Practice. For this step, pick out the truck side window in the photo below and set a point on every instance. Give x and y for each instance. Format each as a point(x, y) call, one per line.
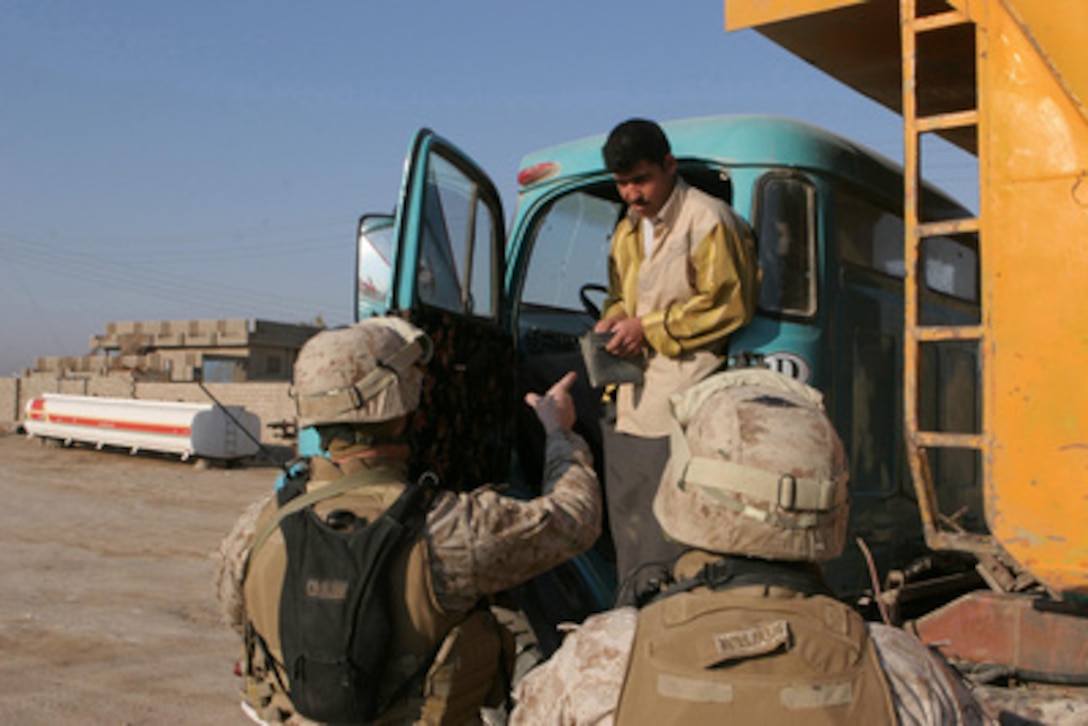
point(869, 235)
point(570, 247)
point(456, 254)
point(785, 231)
point(951, 267)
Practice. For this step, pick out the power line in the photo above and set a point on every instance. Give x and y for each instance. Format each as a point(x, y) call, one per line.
point(137, 277)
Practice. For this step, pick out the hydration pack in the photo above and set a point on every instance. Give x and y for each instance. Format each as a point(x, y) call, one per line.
point(334, 624)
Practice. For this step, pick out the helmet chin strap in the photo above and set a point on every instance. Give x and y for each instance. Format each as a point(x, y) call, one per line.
point(380, 451)
point(369, 441)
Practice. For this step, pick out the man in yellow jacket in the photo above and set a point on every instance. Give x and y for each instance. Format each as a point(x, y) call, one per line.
point(683, 275)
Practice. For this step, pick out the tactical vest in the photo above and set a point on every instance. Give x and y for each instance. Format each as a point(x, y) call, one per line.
point(738, 656)
point(431, 675)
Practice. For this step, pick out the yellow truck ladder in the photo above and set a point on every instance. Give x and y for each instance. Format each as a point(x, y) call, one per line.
point(940, 532)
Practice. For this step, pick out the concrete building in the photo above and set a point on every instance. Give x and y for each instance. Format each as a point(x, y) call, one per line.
point(243, 362)
point(213, 351)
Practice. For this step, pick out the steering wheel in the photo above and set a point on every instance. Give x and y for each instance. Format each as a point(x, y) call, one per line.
point(592, 308)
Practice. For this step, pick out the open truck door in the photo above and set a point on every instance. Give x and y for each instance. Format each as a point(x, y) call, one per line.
point(438, 263)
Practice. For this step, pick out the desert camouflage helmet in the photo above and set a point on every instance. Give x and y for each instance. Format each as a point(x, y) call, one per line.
point(365, 373)
point(755, 468)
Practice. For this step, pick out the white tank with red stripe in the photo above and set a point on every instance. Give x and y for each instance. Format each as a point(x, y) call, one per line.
point(204, 430)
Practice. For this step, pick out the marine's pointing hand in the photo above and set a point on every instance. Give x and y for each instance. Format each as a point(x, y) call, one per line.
point(555, 409)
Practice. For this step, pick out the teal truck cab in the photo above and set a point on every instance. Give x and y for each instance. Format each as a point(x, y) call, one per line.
point(506, 311)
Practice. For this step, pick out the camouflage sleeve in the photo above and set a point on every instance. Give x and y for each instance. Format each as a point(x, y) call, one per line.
point(583, 680)
point(924, 688)
point(231, 558)
point(482, 542)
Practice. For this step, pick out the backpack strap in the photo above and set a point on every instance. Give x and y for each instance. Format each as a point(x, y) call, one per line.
point(397, 510)
point(732, 572)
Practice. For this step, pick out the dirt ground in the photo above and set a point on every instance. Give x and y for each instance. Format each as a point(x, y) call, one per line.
point(108, 613)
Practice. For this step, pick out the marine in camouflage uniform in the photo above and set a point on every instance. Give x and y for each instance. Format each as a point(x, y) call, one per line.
point(756, 489)
point(357, 386)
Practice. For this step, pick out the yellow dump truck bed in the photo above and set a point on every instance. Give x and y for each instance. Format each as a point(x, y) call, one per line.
point(865, 52)
point(1022, 65)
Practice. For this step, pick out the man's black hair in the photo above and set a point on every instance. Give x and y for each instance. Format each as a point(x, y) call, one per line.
point(635, 140)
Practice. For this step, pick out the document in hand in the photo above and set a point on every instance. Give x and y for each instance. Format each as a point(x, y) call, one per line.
point(604, 367)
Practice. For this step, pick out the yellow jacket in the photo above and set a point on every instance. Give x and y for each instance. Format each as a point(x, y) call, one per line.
point(699, 284)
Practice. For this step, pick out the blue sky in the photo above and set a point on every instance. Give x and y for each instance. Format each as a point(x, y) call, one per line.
point(210, 159)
